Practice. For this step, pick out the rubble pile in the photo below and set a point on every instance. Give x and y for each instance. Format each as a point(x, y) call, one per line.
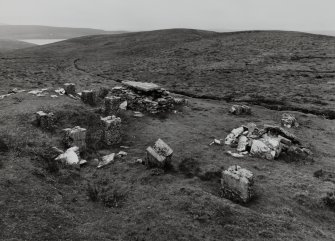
point(160, 155)
point(112, 105)
point(240, 109)
point(111, 130)
point(268, 142)
point(237, 184)
point(75, 137)
point(289, 121)
point(146, 97)
point(45, 120)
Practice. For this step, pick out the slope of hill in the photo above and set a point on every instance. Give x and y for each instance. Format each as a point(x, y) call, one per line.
point(274, 72)
point(6, 45)
point(47, 32)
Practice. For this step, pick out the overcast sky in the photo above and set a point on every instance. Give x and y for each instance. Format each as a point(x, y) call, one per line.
point(160, 14)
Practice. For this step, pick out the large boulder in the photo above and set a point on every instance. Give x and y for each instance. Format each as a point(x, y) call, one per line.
point(160, 155)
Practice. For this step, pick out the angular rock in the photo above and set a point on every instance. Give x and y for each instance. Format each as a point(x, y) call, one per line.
point(89, 97)
point(160, 155)
point(75, 137)
point(111, 130)
point(112, 105)
point(70, 88)
point(106, 160)
point(240, 109)
point(232, 137)
point(237, 184)
point(289, 121)
point(70, 156)
point(260, 149)
point(45, 120)
point(242, 144)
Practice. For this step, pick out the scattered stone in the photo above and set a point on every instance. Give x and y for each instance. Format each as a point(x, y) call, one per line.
point(160, 155)
point(139, 160)
point(125, 147)
point(138, 114)
point(260, 149)
point(15, 91)
point(112, 105)
point(60, 91)
point(89, 97)
point(242, 144)
point(57, 150)
point(106, 160)
point(70, 88)
point(216, 142)
point(82, 162)
point(123, 105)
point(240, 109)
point(75, 137)
point(38, 91)
point(238, 184)
point(289, 121)
point(70, 157)
point(45, 120)
point(54, 96)
point(122, 154)
point(111, 127)
point(4, 96)
point(238, 155)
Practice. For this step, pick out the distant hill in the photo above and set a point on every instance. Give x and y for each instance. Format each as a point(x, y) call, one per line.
point(7, 45)
point(329, 33)
point(46, 32)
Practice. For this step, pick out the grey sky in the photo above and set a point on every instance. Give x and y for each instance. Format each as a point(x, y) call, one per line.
point(159, 14)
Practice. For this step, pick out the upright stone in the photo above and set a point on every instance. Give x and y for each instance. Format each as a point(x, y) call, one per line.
point(75, 137)
point(160, 155)
point(111, 130)
point(112, 105)
point(70, 88)
point(240, 109)
point(89, 97)
point(237, 184)
point(45, 121)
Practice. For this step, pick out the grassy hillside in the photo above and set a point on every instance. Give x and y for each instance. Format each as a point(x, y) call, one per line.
point(46, 32)
point(273, 72)
point(6, 45)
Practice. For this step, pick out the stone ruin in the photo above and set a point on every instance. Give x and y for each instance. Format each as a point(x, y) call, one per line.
point(45, 120)
point(75, 137)
point(159, 156)
point(146, 97)
point(111, 130)
point(240, 109)
point(268, 142)
point(238, 184)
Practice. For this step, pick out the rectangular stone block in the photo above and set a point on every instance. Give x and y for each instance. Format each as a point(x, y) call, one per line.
point(75, 137)
point(160, 155)
point(237, 184)
point(112, 105)
point(45, 120)
point(111, 130)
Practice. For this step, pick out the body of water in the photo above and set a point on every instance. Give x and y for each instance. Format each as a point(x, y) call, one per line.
point(42, 41)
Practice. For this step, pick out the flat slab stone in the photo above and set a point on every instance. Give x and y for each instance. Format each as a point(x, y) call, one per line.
point(142, 86)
